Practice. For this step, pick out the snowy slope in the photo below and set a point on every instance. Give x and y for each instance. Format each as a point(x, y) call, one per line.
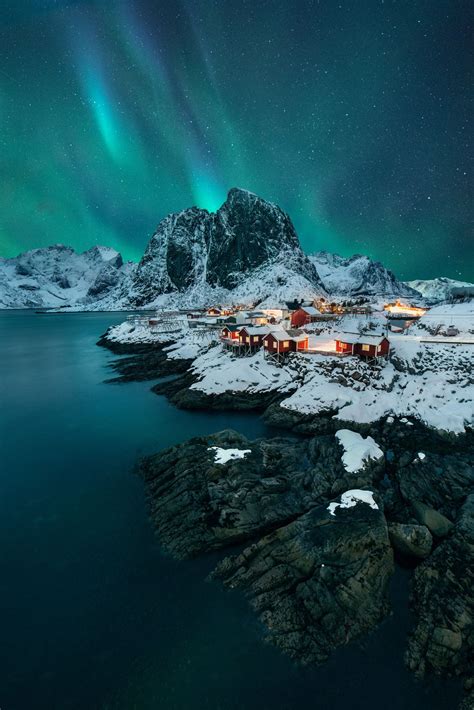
point(57, 276)
point(436, 290)
point(357, 276)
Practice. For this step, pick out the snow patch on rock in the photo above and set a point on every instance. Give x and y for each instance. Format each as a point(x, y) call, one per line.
point(222, 456)
point(357, 450)
point(350, 498)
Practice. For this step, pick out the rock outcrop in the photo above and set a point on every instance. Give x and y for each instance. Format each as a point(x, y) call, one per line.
point(443, 599)
point(198, 505)
point(319, 582)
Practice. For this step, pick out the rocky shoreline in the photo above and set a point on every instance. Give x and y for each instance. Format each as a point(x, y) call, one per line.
point(317, 579)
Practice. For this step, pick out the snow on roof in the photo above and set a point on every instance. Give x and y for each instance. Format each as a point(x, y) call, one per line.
point(255, 330)
point(280, 334)
point(311, 310)
point(353, 338)
point(357, 450)
point(350, 498)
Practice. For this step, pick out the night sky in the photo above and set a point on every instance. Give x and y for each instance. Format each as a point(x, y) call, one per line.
point(351, 115)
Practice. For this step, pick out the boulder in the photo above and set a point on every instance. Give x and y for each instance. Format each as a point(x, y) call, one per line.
point(411, 540)
point(439, 525)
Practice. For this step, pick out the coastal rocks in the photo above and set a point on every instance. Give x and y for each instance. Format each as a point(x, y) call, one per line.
point(318, 582)
point(147, 367)
point(130, 348)
point(288, 419)
point(440, 481)
point(197, 505)
point(437, 524)
point(188, 398)
point(411, 540)
point(443, 598)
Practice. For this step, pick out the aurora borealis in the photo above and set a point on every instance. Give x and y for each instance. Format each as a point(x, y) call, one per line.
point(352, 116)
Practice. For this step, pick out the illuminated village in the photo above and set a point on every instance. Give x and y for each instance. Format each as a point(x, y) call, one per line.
point(295, 327)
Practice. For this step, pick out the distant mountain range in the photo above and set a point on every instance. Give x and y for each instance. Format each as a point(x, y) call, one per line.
point(358, 276)
point(440, 289)
point(247, 251)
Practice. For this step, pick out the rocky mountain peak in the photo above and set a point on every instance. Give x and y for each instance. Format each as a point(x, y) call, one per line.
point(195, 248)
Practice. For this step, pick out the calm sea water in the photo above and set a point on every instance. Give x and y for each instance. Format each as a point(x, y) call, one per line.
point(92, 614)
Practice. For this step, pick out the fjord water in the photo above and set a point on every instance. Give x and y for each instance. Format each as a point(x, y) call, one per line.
point(93, 615)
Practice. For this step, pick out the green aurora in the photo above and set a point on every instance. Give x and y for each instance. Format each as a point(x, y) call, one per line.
point(353, 117)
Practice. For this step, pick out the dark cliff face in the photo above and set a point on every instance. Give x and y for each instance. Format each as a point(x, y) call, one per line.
point(248, 231)
point(196, 247)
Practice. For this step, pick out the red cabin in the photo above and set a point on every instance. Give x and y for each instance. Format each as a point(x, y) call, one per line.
point(230, 332)
point(367, 346)
point(304, 315)
point(281, 342)
point(252, 337)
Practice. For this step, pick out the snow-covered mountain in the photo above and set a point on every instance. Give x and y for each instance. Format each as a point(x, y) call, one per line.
point(358, 276)
point(246, 252)
point(248, 243)
point(440, 289)
point(58, 276)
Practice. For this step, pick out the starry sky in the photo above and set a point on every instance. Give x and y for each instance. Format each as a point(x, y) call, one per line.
point(352, 115)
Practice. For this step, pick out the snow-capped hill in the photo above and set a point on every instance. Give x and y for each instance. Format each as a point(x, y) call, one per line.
point(358, 276)
point(440, 289)
point(197, 249)
point(58, 276)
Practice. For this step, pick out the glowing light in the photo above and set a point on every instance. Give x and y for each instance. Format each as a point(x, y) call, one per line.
point(404, 309)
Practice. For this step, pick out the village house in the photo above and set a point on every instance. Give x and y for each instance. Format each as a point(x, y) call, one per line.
point(304, 316)
point(239, 318)
point(251, 338)
point(257, 317)
point(230, 332)
point(370, 347)
point(278, 344)
point(192, 315)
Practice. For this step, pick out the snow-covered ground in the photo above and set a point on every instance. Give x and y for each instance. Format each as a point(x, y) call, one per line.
point(427, 381)
point(220, 372)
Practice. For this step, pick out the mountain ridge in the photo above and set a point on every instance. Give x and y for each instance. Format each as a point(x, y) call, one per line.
point(247, 251)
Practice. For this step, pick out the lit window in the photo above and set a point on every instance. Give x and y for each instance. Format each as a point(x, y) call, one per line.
point(366, 348)
point(286, 343)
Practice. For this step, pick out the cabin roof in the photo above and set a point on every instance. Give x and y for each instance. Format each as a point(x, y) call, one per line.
point(254, 330)
point(310, 310)
point(232, 327)
point(294, 334)
point(354, 338)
